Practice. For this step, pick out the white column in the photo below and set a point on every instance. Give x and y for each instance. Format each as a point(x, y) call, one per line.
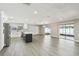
point(76, 30)
point(41, 29)
point(54, 30)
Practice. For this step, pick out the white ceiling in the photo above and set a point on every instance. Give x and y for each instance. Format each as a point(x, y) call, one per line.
point(47, 12)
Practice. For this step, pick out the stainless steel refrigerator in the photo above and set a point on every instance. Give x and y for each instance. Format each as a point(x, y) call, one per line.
point(7, 38)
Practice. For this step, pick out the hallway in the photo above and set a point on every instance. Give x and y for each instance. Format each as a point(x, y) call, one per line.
point(41, 46)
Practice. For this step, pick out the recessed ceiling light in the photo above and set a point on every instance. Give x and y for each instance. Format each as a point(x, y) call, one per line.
point(35, 12)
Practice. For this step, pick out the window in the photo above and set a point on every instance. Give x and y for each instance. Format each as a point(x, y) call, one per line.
point(66, 31)
point(47, 29)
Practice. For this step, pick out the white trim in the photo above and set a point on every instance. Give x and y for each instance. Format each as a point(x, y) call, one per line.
point(1, 47)
point(55, 37)
point(76, 40)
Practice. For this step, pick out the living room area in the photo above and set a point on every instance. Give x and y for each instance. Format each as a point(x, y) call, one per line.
point(37, 29)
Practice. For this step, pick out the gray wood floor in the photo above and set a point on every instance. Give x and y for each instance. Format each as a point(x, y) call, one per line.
point(41, 46)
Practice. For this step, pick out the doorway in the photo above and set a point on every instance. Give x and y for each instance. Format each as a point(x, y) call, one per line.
point(47, 30)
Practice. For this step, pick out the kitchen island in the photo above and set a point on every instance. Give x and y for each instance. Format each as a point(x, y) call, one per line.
point(27, 36)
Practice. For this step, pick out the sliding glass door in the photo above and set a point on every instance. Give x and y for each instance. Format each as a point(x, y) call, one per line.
point(66, 31)
point(62, 31)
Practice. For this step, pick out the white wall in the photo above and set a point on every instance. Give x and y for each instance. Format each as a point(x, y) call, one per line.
point(76, 30)
point(54, 30)
point(1, 31)
point(33, 29)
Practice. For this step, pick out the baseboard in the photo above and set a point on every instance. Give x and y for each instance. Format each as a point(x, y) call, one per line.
point(38, 34)
point(77, 41)
point(54, 37)
point(1, 48)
